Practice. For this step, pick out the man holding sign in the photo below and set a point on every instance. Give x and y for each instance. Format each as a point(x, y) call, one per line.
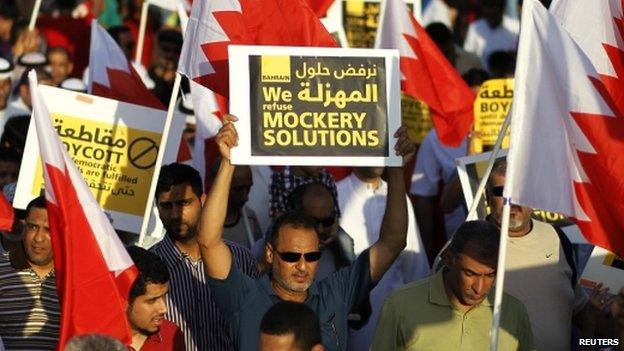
point(293, 255)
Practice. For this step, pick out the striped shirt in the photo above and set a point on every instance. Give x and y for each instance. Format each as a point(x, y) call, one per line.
point(189, 301)
point(29, 308)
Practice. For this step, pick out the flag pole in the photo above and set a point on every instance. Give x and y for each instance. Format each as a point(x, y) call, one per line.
point(141, 39)
point(34, 15)
point(500, 271)
point(159, 159)
point(472, 213)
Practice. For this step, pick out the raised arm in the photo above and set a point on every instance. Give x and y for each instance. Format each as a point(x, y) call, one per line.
point(393, 231)
point(215, 253)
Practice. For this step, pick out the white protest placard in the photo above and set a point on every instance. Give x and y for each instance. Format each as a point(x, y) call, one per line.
point(315, 106)
point(113, 144)
point(604, 267)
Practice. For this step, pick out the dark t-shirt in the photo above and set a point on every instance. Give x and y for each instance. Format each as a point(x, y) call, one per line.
point(245, 300)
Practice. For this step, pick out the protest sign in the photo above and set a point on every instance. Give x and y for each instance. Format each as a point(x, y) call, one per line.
point(604, 267)
point(471, 169)
point(360, 19)
point(490, 109)
point(416, 118)
point(315, 106)
point(113, 144)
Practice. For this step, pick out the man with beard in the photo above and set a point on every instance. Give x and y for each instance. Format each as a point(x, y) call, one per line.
point(293, 253)
point(29, 305)
point(179, 198)
point(147, 306)
point(541, 272)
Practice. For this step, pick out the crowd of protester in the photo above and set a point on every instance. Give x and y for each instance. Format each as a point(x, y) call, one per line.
point(296, 258)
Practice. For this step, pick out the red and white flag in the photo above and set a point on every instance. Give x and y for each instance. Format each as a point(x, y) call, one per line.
point(111, 75)
point(567, 134)
point(215, 24)
point(94, 272)
point(7, 215)
point(426, 74)
point(208, 112)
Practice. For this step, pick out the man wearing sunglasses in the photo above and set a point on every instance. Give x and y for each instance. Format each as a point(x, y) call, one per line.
point(541, 270)
point(293, 254)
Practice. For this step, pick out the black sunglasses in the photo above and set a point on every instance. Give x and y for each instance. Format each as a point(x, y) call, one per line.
point(296, 256)
point(497, 190)
point(326, 222)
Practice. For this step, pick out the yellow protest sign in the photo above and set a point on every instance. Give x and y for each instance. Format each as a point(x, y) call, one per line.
point(360, 19)
point(115, 161)
point(416, 118)
point(490, 109)
point(114, 146)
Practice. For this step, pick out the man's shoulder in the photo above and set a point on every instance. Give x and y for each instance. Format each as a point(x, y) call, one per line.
point(412, 293)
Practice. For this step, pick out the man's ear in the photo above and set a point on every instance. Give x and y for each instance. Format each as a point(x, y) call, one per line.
point(317, 347)
point(268, 253)
point(448, 259)
point(202, 199)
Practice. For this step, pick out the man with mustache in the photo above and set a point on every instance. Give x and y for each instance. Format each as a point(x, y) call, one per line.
point(293, 253)
point(541, 272)
point(29, 305)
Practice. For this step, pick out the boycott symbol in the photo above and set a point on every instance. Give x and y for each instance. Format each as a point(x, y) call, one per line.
point(142, 153)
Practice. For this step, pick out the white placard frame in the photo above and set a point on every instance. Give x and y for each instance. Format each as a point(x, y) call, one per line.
point(97, 109)
point(240, 105)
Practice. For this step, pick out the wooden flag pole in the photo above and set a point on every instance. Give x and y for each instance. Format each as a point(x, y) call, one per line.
point(500, 269)
point(34, 15)
point(159, 159)
point(142, 26)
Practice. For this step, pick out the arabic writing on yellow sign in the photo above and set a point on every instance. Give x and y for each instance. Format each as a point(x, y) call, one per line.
point(490, 109)
point(115, 161)
point(318, 101)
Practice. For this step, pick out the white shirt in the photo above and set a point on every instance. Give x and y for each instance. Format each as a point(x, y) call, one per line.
point(16, 107)
point(484, 40)
point(259, 197)
point(362, 209)
point(538, 274)
point(436, 162)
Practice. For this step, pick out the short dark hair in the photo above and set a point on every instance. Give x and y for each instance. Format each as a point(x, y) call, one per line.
point(115, 31)
point(287, 317)
point(8, 10)
point(481, 236)
point(38, 202)
point(61, 49)
point(39, 71)
point(9, 154)
point(475, 76)
point(177, 173)
point(14, 134)
point(152, 270)
point(295, 219)
point(295, 201)
point(499, 168)
point(439, 33)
